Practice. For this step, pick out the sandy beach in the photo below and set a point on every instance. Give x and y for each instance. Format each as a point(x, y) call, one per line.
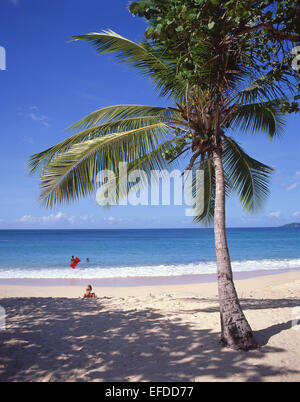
point(147, 333)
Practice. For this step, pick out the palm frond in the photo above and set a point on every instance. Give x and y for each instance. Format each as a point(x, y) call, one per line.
point(120, 112)
point(141, 56)
point(266, 117)
point(105, 121)
point(151, 164)
point(73, 173)
point(247, 177)
point(265, 88)
point(207, 216)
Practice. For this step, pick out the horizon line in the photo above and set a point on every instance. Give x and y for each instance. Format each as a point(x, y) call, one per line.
point(161, 228)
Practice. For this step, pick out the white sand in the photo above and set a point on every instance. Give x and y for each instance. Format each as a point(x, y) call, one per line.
point(158, 333)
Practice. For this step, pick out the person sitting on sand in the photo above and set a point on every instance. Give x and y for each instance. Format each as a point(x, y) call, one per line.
point(88, 293)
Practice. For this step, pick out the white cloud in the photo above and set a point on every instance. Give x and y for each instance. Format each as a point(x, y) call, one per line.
point(83, 218)
point(87, 218)
point(42, 118)
point(297, 173)
point(113, 219)
point(72, 220)
point(275, 214)
point(36, 116)
point(296, 214)
point(292, 187)
point(54, 218)
point(110, 219)
point(42, 219)
point(26, 218)
point(28, 140)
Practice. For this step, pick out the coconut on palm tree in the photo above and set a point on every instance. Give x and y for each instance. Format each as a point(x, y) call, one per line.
point(198, 124)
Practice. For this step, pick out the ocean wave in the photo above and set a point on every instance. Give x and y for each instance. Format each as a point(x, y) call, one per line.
point(195, 268)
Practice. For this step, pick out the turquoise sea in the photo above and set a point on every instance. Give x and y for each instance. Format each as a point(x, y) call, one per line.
point(142, 253)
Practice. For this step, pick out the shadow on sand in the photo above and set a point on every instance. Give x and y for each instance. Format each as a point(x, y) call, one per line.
point(70, 340)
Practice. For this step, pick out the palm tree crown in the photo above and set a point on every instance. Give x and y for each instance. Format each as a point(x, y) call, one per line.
point(148, 137)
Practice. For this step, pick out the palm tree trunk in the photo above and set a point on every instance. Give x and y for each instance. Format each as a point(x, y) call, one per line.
point(236, 332)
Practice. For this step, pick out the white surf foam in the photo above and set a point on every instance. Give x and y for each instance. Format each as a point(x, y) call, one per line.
point(145, 271)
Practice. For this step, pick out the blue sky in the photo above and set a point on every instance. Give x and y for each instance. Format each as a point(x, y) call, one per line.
point(50, 83)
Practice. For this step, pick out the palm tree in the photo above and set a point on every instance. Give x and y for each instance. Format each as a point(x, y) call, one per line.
point(147, 137)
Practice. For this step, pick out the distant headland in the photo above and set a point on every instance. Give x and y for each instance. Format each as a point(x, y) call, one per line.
point(291, 225)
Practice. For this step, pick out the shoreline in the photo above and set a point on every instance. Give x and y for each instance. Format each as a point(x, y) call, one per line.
point(140, 281)
point(58, 291)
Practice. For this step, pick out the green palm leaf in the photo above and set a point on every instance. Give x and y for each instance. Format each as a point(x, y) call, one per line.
point(105, 121)
point(246, 176)
point(141, 56)
point(72, 174)
point(266, 117)
point(139, 135)
point(120, 112)
point(264, 88)
point(150, 164)
point(207, 215)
